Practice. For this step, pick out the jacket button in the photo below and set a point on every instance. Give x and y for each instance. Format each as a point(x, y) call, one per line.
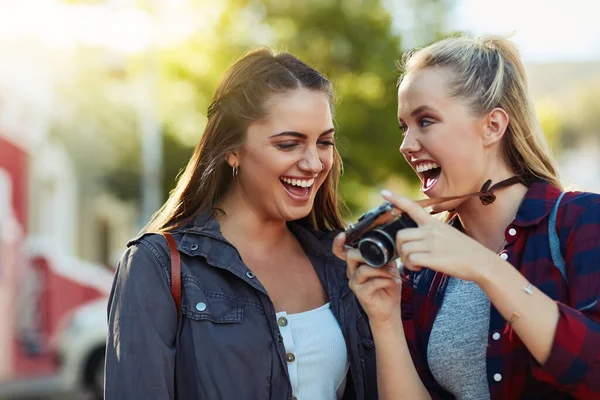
point(201, 306)
point(194, 247)
point(290, 357)
point(282, 321)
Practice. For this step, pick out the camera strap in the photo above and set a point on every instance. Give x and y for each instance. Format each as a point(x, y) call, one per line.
point(486, 194)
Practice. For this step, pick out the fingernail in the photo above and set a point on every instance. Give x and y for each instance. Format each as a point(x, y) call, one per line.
point(340, 235)
point(386, 193)
point(397, 280)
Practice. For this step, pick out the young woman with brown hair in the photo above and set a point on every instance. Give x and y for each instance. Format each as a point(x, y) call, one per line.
point(266, 309)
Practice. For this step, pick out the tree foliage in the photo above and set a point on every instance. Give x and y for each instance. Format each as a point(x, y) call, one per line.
point(351, 41)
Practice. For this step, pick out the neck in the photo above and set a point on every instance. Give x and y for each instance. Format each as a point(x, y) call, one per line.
point(244, 225)
point(487, 223)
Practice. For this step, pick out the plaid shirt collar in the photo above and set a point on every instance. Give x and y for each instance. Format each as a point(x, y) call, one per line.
point(537, 204)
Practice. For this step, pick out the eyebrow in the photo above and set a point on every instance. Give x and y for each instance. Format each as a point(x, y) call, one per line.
point(300, 135)
point(419, 110)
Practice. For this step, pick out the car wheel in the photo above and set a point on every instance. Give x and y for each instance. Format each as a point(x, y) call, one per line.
point(95, 374)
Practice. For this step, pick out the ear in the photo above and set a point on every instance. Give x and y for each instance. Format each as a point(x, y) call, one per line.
point(496, 123)
point(233, 158)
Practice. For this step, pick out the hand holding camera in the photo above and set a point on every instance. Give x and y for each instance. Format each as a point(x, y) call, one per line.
point(374, 234)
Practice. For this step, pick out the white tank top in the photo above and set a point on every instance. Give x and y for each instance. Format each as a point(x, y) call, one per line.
point(317, 359)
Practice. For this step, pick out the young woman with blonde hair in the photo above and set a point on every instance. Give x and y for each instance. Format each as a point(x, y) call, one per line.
point(501, 302)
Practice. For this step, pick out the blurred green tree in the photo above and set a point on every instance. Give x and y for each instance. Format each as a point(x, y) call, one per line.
point(581, 121)
point(352, 41)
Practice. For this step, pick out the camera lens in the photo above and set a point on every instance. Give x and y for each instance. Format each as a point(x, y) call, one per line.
point(377, 248)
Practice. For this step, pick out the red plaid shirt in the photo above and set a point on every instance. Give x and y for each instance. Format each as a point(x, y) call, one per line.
point(573, 368)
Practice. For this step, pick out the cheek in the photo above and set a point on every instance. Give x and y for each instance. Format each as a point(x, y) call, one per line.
point(261, 162)
point(327, 159)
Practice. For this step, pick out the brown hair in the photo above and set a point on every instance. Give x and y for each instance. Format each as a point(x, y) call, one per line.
point(240, 99)
point(488, 73)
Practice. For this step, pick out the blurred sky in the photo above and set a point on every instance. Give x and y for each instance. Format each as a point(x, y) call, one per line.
point(545, 30)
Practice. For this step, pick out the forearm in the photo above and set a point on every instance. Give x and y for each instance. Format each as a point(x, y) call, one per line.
point(396, 374)
point(536, 326)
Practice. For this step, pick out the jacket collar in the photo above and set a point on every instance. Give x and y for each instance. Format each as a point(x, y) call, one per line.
point(203, 238)
point(205, 225)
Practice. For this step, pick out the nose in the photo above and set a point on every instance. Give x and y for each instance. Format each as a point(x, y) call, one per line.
point(410, 145)
point(311, 162)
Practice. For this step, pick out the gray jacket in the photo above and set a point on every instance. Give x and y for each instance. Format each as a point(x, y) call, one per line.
point(227, 344)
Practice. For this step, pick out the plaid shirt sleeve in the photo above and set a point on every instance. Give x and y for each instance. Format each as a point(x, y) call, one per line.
point(413, 340)
point(574, 361)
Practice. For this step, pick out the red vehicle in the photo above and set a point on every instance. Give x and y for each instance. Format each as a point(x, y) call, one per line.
point(52, 306)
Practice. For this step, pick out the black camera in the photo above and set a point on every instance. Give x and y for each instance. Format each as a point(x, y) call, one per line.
point(374, 233)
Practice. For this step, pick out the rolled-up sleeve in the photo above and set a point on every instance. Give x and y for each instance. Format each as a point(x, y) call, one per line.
point(574, 361)
point(142, 319)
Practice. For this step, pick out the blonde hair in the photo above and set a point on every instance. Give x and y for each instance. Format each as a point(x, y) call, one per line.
point(488, 74)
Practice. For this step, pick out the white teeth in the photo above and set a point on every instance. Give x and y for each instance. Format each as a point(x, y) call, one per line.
point(427, 166)
point(299, 182)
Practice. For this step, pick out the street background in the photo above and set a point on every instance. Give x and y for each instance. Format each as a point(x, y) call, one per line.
point(102, 102)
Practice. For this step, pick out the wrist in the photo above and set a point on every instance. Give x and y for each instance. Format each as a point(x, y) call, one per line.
point(488, 269)
point(394, 323)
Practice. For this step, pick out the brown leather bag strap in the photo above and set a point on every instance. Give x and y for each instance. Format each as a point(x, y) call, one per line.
point(175, 271)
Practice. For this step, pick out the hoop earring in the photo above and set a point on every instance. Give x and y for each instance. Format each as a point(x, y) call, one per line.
point(235, 171)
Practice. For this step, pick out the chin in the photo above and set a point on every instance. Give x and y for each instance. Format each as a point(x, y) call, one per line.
point(288, 213)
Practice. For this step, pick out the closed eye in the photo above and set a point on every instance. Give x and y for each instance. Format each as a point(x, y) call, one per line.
point(286, 145)
point(326, 143)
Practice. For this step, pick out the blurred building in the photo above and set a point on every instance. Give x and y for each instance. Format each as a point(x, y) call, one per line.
point(57, 242)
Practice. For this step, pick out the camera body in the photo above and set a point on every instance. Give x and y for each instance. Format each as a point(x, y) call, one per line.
point(374, 234)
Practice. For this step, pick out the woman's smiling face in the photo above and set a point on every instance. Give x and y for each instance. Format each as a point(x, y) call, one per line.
point(443, 140)
point(288, 155)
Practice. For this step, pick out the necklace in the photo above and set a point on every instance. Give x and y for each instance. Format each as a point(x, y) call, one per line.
point(502, 244)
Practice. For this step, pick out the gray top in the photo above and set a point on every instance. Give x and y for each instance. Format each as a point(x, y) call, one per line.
point(456, 353)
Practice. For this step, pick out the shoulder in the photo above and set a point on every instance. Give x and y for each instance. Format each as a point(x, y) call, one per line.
point(147, 251)
point(579, 207)
point(580, 199)
point(148, 245)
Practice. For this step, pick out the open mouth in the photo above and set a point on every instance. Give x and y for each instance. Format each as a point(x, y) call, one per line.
point(298, 188)
point(429, 172)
